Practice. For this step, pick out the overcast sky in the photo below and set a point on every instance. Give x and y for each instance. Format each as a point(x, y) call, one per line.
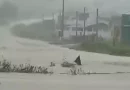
point(43, 6)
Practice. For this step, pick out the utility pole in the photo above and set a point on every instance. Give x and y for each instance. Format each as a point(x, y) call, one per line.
point(53, 16)
point(97, 23)
point(84, 21)
point(76, 22)
point(43, 16)
point(62, 27)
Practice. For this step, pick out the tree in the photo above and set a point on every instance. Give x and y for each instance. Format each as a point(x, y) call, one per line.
point(8, 11)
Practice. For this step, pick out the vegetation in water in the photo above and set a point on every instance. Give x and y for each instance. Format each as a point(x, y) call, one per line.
point(6, 66)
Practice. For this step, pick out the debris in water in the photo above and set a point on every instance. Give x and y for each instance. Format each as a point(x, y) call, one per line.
point(78, 61)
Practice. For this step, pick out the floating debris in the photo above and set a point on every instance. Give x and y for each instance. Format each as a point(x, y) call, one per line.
point(78, 61)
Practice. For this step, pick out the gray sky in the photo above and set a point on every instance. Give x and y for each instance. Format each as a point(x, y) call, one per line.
point(44, 6)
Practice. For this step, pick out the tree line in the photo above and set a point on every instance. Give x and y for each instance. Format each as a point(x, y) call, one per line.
point(8, 12)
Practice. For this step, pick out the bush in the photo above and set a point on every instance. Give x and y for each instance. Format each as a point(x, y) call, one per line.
point(74, 71)
point(6, 66)
point(67, 64)
point(52, 64)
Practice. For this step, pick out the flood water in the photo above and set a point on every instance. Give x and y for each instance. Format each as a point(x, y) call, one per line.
point(21, 50)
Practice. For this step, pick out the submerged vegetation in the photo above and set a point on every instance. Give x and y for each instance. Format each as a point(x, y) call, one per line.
point(79, 71)
point(6, 66)
point(67, 64)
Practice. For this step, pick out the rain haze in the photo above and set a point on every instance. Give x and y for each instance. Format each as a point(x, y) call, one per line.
point(64, 45)
point(49, 6)
point(55, 5)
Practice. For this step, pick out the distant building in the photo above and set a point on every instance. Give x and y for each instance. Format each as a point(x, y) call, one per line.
point(90, 27)
point(100, 26)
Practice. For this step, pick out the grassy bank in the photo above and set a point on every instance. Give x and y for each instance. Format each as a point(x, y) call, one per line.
point(106, 48)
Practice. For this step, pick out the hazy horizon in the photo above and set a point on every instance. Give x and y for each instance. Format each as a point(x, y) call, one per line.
point(39, 7)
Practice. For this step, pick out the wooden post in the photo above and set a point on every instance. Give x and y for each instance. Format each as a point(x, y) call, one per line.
point(53, 16)
point(43, 16)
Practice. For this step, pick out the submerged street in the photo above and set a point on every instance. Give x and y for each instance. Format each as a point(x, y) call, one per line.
point(21, 51)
